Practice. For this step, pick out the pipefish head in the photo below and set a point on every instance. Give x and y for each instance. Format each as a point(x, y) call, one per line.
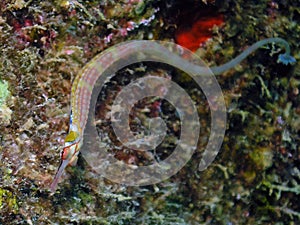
point(72, 146)
point(68, 156)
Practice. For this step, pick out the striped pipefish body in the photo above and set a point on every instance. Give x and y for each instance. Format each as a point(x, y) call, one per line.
point(128, 53)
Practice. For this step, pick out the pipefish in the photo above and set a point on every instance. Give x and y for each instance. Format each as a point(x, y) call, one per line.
point(142, 50)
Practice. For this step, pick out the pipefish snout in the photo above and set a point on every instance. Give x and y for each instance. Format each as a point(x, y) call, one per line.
point(141, 50)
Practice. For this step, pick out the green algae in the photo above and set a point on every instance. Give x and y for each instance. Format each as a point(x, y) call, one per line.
point(4, 92)
point(8, 201)
point(140, 7)
point(262, 157)
point(5, 111)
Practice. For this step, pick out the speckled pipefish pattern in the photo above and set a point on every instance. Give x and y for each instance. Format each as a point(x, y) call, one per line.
point(85, 81)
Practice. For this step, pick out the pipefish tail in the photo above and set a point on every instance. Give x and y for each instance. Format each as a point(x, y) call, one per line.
point(85, 81)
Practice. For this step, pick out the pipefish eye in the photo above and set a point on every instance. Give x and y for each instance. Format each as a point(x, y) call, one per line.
point(66, 153)
point(69, 151)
